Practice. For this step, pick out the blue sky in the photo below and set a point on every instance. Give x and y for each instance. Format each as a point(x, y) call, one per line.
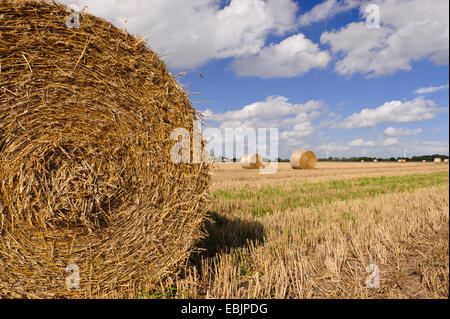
point(313, 69)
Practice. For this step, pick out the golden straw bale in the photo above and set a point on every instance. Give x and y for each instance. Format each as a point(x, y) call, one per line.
point(302, 159)
point(86, 176)
point(251, 161)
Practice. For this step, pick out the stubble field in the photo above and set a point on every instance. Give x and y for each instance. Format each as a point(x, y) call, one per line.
point(313, 233)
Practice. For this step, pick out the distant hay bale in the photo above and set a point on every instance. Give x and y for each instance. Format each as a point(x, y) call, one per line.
point(363, 161)
point(438, 160)
point(86, 176)
point(402, 161)
point(446, 160)
point(251, 161)
point(375, 161)
point(301, 159)
point(424, 161)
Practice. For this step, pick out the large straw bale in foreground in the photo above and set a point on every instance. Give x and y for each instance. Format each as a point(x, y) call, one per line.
point(85, 170)
point(303, 159)
point(251, 161)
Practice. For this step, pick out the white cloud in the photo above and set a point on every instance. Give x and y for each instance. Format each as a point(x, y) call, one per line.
point(391, 141)
point(392, 131)
point(410, 30)
point(295, 122)
point(326, 10)
point(193, 32)
point(394, 111)
point(333, 147)
point(273, 109)
point(389, 147)
point(430, 89)
point(437, 129)
point(360, 142)
point(293, 56)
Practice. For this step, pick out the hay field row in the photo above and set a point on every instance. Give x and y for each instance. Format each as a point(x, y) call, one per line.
point(313, 237)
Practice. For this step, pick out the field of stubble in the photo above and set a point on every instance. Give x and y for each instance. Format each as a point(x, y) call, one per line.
point(312, 233)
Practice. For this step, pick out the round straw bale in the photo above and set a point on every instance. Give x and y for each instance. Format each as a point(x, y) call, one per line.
point(438, 160)
point(251, 161)
point(446, 160)
point(375, 161)
point(301, 159)
point(86, 176)
point(424, 161)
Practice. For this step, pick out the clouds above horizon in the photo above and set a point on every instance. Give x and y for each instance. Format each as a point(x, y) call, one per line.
point(295, 121)
point(384, 148)
point(298, 125)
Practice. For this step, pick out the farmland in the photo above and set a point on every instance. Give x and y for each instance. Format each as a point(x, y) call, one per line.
point(312, 233)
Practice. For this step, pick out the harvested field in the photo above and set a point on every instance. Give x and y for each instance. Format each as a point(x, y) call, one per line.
point(231, 175)
point(311, 234)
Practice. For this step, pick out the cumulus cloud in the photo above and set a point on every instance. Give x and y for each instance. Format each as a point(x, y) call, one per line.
point(333, 147)
point(295, 122)
point(273, 110)
point(360, 142)
point(416, 110)
point(391, 141)
point(193, 32)
point(430, 89)
point(392, 131)
point(293, 56)
point(326, 10)
point(410, 30)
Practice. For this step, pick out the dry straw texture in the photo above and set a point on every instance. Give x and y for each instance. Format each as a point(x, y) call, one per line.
point(85, 170)
point(438, 160)
point(251, 161)
point(303, 159)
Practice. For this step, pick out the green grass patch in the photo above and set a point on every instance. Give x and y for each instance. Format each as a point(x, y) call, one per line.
point(269, 199)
